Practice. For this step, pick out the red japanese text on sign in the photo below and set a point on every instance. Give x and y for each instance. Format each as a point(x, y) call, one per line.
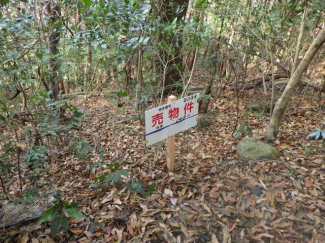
point(173, 113)
point(167, 120)
point(188, 106)
point(157, 118)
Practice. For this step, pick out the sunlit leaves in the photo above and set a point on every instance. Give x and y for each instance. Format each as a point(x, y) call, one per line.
point(4, 2)
point(87, 3)
point(74, 213)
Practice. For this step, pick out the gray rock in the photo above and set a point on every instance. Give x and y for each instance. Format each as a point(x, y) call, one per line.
point(252, 149)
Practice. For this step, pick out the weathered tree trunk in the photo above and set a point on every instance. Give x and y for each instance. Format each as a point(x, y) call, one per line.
point(88, 70)
point(54, 25)
point(172, 62)
point(281, 105)
point(301, 34)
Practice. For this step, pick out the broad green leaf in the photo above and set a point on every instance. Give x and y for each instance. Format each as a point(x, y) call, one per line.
point(2, 118)
point(151, 188)
point(201, 3)
point(238, 135)
point(114, 166)
point(116, 176)
point(145, 41)
point(74, 213)
point(96, 186)
point(122, 94)
point(250, 131)
point(250, 106)
point(71, 204)
point(49, 214)
point(102, 177)
point(17, 202)
point(87, 3)
point(138, 187)
point(55, 227)
point(3, 2)
point(29, 200)
point(64, 222)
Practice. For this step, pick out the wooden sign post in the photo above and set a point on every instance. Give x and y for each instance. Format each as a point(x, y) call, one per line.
point(171, 144)
point(165, 121)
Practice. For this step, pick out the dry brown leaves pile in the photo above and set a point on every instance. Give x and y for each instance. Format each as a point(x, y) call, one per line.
point(211, 197)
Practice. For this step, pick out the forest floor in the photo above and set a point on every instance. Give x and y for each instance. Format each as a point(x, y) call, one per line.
point(213, 196)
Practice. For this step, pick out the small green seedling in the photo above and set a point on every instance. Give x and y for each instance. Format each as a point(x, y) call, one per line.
point(58, 216)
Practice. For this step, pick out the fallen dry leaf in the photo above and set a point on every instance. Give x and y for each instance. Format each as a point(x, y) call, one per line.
point(168, 192)
point(214, 239)
point(24, 238)
point(260, 236)
point(77, 231)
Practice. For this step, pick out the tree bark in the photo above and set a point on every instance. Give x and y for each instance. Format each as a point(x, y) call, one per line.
point(281, 105)
point(171, 9)
point(89, 63)
point(301, 34)
point(54, 39)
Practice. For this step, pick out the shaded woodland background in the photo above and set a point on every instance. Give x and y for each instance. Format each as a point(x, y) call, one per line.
point(76, 77)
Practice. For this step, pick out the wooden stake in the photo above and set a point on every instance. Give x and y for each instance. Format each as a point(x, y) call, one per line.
point(171, 144)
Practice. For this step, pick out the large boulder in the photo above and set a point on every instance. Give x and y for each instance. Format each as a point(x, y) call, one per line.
point(252, 149)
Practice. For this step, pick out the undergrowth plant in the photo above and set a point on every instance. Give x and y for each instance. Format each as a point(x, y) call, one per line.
point(244, 128)
point(58, 215)
point(204, 122)
point(35, 134)
point(115, 177)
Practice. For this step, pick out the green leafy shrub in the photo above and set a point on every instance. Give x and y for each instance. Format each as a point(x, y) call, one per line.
point(106, 178)
point(58, 214)
point(244, 128)
point(82, 149)
point(8, 151)
point(142, 188)
point(36, 157)
point(205, 121)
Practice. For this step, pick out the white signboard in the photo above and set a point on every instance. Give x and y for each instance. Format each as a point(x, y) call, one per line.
point(167, 120)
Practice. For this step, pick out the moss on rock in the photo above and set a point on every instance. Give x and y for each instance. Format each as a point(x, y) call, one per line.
point(252, 149)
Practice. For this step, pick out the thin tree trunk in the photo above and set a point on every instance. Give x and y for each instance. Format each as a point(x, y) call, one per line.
point(139, 78)
point(4, 187)
point(301, 34)
point(139, 68)
point(281, 105)
point(272, 79)
point(89, 63)
point(55, 14)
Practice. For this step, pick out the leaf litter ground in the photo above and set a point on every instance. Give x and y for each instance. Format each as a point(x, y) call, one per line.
point(212, 196)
